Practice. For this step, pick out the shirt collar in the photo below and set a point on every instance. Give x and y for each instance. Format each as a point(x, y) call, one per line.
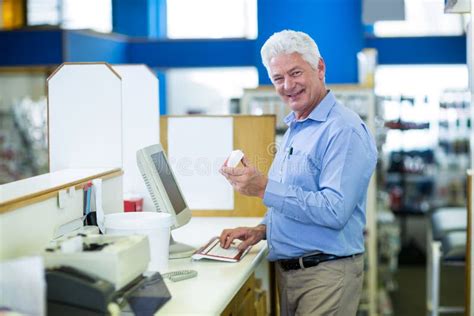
point(319, 113)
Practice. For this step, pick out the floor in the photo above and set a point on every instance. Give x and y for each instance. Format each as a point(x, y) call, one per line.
point(410, 297)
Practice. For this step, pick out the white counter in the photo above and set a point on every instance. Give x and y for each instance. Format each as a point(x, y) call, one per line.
point(30, 208)
point(217, 282)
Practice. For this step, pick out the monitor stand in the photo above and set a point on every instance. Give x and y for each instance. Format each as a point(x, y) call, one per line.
point(179, 250)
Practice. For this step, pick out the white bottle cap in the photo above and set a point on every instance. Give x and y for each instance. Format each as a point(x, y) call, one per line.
point(234, 158)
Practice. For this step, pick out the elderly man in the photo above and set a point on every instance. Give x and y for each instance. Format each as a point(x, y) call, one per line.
point(316, 188)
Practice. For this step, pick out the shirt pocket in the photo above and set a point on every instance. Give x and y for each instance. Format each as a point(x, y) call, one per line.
point(301, 170)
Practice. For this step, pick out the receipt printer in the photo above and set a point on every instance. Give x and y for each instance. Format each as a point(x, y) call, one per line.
point(116, 259)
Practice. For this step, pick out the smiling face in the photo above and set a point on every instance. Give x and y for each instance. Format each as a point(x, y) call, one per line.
point(299, 85)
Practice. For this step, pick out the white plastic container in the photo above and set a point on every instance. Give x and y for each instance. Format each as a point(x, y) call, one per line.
point(155, 225)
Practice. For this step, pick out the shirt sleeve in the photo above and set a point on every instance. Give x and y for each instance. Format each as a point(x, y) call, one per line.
point(346, 168)
point(264, 222)
point(265, 219)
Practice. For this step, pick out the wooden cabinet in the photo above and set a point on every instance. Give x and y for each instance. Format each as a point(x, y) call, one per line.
point(250, 300)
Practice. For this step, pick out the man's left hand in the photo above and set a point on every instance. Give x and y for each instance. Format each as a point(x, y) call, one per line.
point(246, 180)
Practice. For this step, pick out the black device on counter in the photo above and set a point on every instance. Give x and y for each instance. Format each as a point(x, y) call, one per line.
point(69, 289)
point(73, 292)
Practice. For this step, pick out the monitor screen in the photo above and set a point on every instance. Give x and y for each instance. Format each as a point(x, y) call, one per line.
point(169, 182)
point(165, 192)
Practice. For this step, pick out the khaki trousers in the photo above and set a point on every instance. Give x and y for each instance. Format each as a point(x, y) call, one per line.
point(330, 288)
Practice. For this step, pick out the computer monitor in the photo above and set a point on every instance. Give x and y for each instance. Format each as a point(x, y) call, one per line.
point(165, 192)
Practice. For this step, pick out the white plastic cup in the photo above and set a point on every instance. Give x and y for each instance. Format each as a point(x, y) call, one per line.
point(155, 225)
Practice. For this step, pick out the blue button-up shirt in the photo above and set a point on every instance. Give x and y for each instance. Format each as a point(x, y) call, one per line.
point(317, 185)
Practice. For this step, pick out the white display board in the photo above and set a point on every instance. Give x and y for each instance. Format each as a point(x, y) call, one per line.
point(84, 117)
point(140, 125)
point(197, 148)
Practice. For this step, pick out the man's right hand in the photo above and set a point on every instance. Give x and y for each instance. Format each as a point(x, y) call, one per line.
point(249, 236)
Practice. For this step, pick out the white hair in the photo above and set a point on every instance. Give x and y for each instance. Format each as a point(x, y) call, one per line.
point(288, 42)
